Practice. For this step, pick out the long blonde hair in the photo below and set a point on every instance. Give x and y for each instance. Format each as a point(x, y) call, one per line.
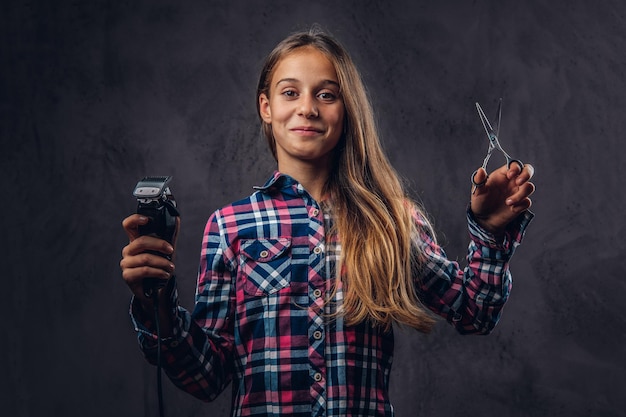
point(374, 217)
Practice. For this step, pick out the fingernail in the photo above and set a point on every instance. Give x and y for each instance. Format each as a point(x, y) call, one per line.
point(143, 218)
point(509, 201)
point(170, 249)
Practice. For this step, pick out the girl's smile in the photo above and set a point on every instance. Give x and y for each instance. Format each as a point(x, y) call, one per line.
point(307, 130)
point(304, 108)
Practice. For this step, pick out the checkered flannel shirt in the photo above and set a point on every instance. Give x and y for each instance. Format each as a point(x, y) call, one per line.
point(261, 321)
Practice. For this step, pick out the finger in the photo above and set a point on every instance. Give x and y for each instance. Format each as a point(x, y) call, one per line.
point(479, 178)
point(131, 225)
point(522, 206)
point(146, 265)
point(523, 192)
point(133, 276)
point(147, 243)
point(513, 170)
point(525, 175)
point(147, 259)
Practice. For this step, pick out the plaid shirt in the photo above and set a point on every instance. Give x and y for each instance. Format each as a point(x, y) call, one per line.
point(260, 319)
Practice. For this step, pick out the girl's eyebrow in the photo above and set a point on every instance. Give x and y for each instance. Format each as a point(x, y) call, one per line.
point(295, 80)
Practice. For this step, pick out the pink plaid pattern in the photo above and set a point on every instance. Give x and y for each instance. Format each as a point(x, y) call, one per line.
point(260, 320)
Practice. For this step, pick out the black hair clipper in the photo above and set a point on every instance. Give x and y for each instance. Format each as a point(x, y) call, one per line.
point(156, 201)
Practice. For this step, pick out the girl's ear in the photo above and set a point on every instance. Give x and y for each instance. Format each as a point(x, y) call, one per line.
point(264, 108)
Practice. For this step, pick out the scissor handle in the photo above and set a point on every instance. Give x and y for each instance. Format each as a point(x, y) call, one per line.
point(475, 184)
point(510, 161)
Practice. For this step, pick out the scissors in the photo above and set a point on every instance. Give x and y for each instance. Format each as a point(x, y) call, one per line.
point(493, 144)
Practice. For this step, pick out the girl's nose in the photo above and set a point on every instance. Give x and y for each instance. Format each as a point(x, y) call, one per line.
point(308, 107)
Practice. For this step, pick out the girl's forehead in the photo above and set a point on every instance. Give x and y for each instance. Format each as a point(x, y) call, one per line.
point(305, 60)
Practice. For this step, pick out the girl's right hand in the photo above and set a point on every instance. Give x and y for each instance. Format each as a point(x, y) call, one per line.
point(137, 263)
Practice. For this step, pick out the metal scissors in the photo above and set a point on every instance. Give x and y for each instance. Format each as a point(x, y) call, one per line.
point(493, 144)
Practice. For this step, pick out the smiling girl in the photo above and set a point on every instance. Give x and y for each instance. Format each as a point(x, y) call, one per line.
point(300, 283)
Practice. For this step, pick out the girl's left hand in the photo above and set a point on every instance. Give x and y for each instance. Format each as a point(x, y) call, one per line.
point(503, 197)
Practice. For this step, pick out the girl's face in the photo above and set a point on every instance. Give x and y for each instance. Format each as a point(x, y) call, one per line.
point(304, 108)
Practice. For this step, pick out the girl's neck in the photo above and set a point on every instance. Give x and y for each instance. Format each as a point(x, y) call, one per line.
point(312, 178)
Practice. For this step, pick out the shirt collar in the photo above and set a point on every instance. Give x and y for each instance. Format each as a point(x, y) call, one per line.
point(283, 183)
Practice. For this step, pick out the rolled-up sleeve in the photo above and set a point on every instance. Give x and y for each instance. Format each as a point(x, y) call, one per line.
point(470, 298)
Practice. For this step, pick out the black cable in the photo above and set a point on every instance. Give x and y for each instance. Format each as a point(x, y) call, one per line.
point(155, 301)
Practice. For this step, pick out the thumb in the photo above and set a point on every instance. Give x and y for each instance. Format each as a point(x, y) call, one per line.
point(479, 177)
point(131, 225)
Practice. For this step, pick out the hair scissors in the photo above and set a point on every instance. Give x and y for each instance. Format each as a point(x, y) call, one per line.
point(494, 143)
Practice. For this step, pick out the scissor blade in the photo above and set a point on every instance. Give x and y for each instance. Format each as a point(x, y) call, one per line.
point(498, 117)
point(490, 132)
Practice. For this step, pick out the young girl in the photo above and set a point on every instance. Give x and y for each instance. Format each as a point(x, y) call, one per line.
point(300, 283)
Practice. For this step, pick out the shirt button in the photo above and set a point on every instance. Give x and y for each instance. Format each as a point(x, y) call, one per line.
point(317, 250)
point(317, 377)
point(317, 293)
point(317, 335)
point(315, 212)
point(264, 254)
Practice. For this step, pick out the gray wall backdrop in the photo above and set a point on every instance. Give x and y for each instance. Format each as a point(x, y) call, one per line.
point(96, 94)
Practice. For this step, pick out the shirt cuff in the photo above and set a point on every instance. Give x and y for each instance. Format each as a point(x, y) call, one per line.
point(513, 234)
point(144, 321)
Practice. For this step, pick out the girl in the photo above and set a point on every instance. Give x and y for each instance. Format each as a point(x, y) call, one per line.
point(300, 283)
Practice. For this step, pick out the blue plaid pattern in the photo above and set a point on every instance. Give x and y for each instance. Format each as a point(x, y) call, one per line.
point(261, 320)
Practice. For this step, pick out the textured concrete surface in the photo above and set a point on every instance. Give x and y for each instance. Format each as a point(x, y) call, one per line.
point(94, 95)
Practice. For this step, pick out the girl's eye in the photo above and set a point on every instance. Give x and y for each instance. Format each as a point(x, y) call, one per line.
point(289, 93)
point(327, 96)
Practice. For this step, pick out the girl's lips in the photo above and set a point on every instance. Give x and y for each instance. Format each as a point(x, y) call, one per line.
point(306, 130)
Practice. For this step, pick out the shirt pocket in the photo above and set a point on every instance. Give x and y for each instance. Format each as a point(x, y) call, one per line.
point(265, 265)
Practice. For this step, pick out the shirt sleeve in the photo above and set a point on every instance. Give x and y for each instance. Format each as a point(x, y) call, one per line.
point(470, 298)
point(198, 357)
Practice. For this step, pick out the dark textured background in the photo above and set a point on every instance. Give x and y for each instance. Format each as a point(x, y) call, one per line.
point(96, 94)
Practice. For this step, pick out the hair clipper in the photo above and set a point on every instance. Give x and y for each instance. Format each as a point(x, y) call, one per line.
point(156, 201)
